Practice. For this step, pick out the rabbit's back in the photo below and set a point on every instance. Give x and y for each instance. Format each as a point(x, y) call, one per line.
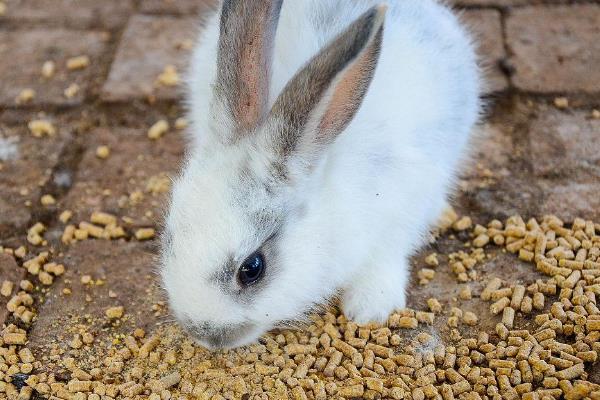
point(388, 174)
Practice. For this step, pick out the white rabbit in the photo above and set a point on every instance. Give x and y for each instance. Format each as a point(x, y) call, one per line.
point(324, 142)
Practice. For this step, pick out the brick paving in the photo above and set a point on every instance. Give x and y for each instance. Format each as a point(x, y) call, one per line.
point(112, 263)
point(24, 174)
point(149, 44)
point(486, 25)
point(24, 53)
point(119, 184)
point(83, 14)
point(532, 157)
point(11, 271)
point(555, 48)
point(182, 7)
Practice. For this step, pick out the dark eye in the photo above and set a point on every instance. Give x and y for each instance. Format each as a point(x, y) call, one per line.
point(252, 269)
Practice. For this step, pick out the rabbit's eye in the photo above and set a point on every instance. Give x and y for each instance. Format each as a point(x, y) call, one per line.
point(252, 269)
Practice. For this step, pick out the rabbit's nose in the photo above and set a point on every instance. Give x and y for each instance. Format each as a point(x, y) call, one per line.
point(218, 336)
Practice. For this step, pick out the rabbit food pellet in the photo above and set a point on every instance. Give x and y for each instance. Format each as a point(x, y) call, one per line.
point(47, 200)
point(6, 288)
point(169, 76)
point(434, 305)
point(71, 91)
point(79, 62)
point(157, 130)
point(144, 234)
point(34, 234)
point(65, 216)
point(115, 312)
point(181, 124)
point(561, 102)
point(102, 152)
point(546, 333)
point(15, 338)
point(102, 218)
point(40, 128)
point(48, 69)
point(25, 96)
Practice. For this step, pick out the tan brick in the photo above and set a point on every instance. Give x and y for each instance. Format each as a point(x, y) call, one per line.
point(555, 48)
point(149, 44)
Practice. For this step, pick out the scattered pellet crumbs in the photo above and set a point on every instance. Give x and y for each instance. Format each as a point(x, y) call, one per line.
point(158, 184)
point(462, 224)
point(115, 312)
point(547, 333)
point(432, 260)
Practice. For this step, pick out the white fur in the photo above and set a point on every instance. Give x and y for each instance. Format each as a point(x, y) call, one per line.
point(373, 196)
point(9, 148)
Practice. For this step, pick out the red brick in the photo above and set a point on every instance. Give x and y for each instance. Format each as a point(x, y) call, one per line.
point(502, 3)
point(569, 200)
point(469, 3)
point(10, 271)
point(148, 45)
point(565, 143)
point(28, 50)
point(501, 198)
point(487, 28)
point(184, 7)
point(555, 48)
point(492, 147)
point(74, 13)
point(105, 185)
point(127, 269)
point(25, 165)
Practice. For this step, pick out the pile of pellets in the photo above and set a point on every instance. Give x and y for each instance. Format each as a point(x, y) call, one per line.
point(543, 346)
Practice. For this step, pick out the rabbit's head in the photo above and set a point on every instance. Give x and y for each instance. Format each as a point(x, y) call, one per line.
point(229, 271)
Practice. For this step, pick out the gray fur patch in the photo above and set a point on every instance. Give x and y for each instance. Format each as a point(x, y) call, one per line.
point(226, 277)
point(217, 336)
point(303, 93)
point(247, 33)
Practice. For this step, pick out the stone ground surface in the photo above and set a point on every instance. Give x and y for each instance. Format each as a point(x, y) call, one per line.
point(533, 155)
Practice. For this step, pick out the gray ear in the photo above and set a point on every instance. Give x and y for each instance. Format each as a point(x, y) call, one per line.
point(323, 97)
point(247, 33)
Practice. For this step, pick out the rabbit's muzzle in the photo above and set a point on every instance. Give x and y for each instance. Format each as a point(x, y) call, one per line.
point(218, 337)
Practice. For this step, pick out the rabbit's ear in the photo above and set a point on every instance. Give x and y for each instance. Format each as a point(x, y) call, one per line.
point(323, 97)
point(247, 34)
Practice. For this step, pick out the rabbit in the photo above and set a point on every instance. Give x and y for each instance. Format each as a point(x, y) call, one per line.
point(324, 138)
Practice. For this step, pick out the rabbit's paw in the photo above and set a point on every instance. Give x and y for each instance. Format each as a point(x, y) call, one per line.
point(366, 303)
